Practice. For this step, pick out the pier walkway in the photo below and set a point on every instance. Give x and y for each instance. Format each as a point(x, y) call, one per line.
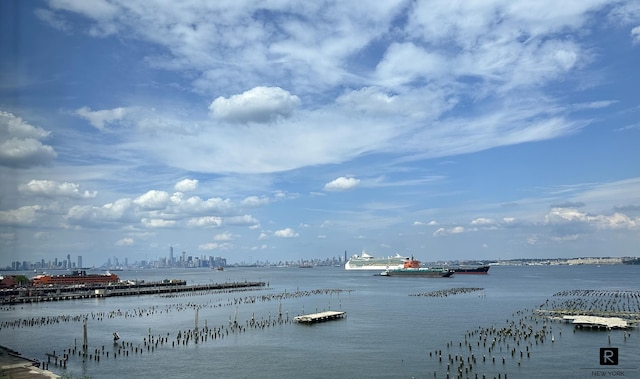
point(320, 317)
point(15, 366)
point(33, 295)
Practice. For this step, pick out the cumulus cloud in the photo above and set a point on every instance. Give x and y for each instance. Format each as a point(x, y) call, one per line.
point(206, 221)
point(100, 119)
point(153, 200)
point(342, 184)
point(569, 216)
point(52, 189)
point(286, 233)
point(259, 104)
point(21, 143)
point(186, 185)
point(115, 213)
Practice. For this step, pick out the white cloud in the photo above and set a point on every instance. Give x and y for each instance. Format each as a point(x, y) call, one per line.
point(97, 9)
point(21, 143)
point(50, 188)
point(118, 212)
point(342, 184)
point(157, 223)
point(259, 104)
point(440, 232)
point(635, 34)
point(22, 216)
point(100, 119)
point(186, 185)
point(482, 221)
point(570, 216)
point(226, 236)
point(205, 221)
point(127, 241)
point(214, 246)
point(245, 220)
point(255, 201)
point(286, 233)
point(153, 200)
point(55, 20)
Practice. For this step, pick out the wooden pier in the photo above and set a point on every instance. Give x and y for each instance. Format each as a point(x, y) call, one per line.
point(34, 295)
point(320, 317)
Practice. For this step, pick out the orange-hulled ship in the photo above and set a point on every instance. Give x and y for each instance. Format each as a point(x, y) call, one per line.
point(76, 277)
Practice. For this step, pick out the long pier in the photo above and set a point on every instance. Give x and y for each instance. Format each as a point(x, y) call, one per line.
point(320, 317)
point(34, 295)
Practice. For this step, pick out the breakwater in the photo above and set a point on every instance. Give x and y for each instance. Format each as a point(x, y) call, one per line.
point(37, 294)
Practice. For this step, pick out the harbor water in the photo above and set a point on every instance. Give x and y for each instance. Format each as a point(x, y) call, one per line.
point(395, 327)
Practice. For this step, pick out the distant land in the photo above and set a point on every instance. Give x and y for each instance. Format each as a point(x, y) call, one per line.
point(340, 263)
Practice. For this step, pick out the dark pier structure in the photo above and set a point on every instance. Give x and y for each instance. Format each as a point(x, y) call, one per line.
point(60, 293)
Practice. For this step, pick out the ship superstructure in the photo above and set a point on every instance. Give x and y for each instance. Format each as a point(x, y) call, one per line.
point(365, 261)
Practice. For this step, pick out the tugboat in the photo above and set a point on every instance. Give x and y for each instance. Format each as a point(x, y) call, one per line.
point(412, 268)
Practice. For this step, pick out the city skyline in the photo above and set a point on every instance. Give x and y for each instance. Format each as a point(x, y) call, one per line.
point(279, 131)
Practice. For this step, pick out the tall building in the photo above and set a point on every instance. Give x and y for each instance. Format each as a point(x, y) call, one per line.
point(170, 255)
point(79, 261)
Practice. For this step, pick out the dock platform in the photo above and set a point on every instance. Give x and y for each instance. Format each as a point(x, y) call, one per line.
point(597, 322)
point(320, 317)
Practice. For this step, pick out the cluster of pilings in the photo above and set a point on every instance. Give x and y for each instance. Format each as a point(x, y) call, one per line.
point(448, 292)
point(155, 310)
point(182, 337)
point(603, 303)
point(492, 352)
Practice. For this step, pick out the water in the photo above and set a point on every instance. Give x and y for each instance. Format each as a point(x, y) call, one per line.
point(386, 334)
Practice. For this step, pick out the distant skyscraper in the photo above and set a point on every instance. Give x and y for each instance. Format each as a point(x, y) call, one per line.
point(170, 255)
point(79, 261)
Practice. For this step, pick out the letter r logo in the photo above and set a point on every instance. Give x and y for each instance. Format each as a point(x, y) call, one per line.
point(608, 356)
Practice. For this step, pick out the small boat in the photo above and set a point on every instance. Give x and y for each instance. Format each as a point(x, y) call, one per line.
point(412, 268)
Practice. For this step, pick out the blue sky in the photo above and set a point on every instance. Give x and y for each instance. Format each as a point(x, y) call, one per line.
point(282, 130)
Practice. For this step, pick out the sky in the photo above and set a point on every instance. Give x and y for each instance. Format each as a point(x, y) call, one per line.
point(286, 130)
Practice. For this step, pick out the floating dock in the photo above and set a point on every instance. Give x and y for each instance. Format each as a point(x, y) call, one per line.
point(597, 322)
point(320, 317)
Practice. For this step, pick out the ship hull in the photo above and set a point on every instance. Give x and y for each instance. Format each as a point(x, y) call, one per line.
point(418, 272)
point(482, 270)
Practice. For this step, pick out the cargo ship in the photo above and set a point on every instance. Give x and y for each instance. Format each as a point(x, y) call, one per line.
point(412, 268)
point(476, 270)
point(74, 278)
point(365, 261)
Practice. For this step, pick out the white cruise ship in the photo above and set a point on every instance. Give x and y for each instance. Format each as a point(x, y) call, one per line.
point(365, 261)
